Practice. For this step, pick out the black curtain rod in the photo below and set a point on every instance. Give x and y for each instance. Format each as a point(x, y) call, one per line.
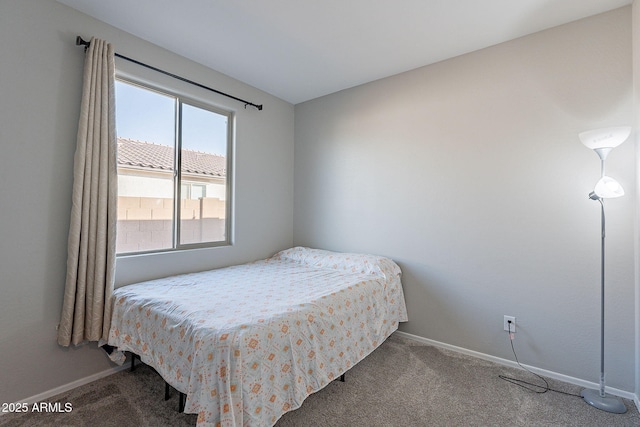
point(81, 42)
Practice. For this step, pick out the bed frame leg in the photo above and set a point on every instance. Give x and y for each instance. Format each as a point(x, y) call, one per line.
point(342, 378)
point(167, 387)
point(181, 397)
point(181, 402)
point(167, 391)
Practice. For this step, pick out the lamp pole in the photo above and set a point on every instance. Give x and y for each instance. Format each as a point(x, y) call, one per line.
point(602, 252)
point(598, 398)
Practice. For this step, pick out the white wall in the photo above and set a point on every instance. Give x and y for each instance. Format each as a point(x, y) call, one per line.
point(40, 96)
point(471, 175)
point(636, 119)
point(161, 186)
point(150, 186)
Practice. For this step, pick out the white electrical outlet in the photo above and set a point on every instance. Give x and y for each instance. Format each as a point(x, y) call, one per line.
point(506, 323)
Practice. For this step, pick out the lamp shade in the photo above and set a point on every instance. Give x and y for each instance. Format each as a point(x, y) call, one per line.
point(609, 137)
point(608, 188)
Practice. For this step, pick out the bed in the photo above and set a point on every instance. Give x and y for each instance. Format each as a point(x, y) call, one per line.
point(248, 343)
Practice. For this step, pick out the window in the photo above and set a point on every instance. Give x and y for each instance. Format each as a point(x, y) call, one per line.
point(193, 191)
point(173, 162)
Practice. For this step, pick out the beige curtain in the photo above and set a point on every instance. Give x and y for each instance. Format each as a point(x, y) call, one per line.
point(86, 311)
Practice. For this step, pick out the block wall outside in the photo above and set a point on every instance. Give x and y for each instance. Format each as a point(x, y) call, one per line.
point(145, 223)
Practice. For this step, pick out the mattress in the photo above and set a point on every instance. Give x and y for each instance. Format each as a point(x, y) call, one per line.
point(249, 343)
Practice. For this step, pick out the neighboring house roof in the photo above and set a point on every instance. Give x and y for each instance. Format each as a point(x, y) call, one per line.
point(155, 156)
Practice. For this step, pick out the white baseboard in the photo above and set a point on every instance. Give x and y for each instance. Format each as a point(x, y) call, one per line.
point(512, 364)
point(70, 386)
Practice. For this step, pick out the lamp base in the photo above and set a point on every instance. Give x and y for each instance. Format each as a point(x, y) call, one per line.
point(607, 403)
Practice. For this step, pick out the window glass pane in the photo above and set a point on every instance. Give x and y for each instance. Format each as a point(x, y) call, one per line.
point(146, 133)
point(204, 168)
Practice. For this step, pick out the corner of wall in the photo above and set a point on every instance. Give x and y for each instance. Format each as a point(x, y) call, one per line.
point(636, 114)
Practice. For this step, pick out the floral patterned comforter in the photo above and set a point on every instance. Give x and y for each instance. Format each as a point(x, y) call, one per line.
point(249, 343)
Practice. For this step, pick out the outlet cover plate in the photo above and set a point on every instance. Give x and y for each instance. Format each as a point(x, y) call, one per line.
point(506, 323)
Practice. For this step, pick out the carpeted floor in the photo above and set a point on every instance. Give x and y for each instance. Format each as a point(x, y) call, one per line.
point(403, 383)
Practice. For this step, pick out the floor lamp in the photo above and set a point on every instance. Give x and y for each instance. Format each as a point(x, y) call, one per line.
point(602, 141)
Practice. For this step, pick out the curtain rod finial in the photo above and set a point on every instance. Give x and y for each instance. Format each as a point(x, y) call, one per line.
point(81, 42)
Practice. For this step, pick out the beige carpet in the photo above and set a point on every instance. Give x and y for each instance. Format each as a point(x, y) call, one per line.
point(403, 383)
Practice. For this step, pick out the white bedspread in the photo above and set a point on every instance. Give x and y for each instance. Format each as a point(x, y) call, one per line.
point(251, 342)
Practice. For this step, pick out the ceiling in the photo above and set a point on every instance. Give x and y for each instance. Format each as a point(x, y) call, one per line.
point(302, 49)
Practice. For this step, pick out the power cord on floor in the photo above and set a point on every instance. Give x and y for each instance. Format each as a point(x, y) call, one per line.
point(535, 388)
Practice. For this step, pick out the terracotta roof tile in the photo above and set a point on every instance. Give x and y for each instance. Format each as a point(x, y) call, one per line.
point(155, 156)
